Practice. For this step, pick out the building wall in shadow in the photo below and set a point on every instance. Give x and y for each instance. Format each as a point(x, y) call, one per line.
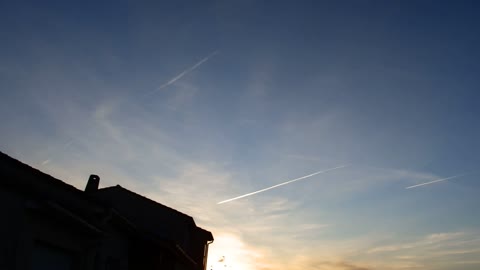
point(48, 224)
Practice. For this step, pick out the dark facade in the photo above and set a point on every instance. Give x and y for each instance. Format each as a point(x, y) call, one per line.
point(48, 224)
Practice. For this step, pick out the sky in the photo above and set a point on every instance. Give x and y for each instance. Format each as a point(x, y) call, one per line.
point(192, 103)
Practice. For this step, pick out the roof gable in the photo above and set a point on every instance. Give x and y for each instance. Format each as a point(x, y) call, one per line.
point(147, 214)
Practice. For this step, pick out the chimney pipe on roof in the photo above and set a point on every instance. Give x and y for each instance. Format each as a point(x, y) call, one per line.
point(92, 184)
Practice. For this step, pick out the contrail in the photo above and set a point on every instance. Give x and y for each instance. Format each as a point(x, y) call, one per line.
point(281, 184)
point(435, 181)
point(183, 73)
point(64, 147)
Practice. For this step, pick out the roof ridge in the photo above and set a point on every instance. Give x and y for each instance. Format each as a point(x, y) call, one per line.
point(39, 172)
point(150, 200)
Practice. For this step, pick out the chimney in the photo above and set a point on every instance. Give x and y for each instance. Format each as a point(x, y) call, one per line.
point(92, 184)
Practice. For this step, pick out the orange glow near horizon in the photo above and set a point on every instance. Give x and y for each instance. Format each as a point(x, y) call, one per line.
point(230, 252)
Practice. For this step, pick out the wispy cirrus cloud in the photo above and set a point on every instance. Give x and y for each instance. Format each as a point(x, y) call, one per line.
point(434, 251)
point(325, 263)
point(109, 134)
point(425, 241)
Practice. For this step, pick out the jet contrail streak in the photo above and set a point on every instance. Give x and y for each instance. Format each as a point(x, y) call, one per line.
point(64, 147)
point(183, 73)
point(435, 181)
point(281, 184)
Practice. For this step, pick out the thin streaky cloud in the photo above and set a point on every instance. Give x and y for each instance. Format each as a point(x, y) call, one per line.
point(435, 181)
point(281, 184)
point(45, 162)
point(181, 74)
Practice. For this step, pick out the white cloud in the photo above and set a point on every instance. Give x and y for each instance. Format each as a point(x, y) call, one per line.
point(425, 242)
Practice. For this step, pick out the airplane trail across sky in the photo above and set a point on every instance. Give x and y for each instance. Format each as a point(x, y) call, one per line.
point(63, 148)
point(183, 73)
point(435, 181)
point(281, 184)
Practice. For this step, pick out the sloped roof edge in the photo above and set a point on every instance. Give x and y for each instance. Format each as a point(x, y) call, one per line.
point(118, 187)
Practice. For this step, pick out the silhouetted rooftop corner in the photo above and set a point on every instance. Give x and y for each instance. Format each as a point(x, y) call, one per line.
point(62, 216)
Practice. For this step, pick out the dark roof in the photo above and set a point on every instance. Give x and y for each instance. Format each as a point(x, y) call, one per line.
point(10, 166)
point(147, 214)
point(157, 220)
point(205, 234)
point(53, 194)
point(38, 185)
point(150, 202)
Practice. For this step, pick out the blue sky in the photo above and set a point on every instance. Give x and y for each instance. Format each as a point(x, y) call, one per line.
point(191, 103)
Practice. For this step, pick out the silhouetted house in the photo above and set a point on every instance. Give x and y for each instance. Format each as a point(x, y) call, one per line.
point(48, 224)
point(160, 222)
